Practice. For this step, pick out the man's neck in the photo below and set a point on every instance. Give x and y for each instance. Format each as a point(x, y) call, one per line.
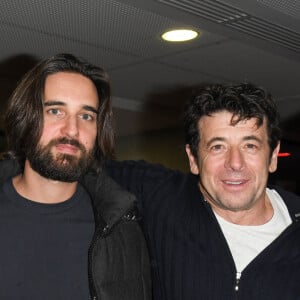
point(257, 215)
point(35, 187)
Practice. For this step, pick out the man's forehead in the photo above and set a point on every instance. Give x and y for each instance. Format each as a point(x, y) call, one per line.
point(70, 88)
point(221, 121)
point(231, 118)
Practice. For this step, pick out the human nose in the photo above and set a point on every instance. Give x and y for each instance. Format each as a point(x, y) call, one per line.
point(70, 127)
point(234, 159)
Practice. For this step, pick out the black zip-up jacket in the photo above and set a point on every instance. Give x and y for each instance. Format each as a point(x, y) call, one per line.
point(118, 259)
point(189, 254)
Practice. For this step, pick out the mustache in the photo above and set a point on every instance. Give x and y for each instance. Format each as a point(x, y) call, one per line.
point(65, 140)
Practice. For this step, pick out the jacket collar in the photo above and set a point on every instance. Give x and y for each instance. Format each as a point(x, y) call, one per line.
point(292, 201)
point(110, 201)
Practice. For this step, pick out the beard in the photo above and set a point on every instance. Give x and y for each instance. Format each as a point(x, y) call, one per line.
point(61, 167)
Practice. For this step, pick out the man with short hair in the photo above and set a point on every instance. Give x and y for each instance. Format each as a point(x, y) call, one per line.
point(220, 232)
point(55, 242)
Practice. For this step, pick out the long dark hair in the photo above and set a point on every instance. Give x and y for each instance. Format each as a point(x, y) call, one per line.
point(24, 115)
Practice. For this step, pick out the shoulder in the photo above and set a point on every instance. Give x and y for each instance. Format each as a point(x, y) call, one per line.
point(153, 175)
point(8, 168)
point(138, 167)
point(286, 195)
point(291, 200)
point(109, 198)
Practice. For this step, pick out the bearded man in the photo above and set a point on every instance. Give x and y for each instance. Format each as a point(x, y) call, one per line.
point(57, 242)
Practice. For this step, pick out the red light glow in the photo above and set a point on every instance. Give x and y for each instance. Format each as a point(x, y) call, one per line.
point(284, 154)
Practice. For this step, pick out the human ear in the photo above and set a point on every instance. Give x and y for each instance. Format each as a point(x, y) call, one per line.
point(274, 159)
point(192, 160)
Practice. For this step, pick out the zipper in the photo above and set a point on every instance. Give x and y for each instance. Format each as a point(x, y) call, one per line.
point(98, 235)
point(130, 215)
point(238, 276)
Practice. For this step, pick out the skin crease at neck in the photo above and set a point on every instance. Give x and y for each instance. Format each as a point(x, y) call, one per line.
point(47, 191)
point(233, 165)
point(71, 113)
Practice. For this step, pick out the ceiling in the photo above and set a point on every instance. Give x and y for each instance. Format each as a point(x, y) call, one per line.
point(256, 41)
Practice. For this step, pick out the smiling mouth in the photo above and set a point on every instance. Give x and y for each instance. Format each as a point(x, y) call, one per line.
point(234, 183)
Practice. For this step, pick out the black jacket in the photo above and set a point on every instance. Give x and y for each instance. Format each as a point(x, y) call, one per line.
point(190, 257)
point(118, 258)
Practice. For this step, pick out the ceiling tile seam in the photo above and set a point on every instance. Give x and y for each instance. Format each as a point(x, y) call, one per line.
point(209, 7)
point(175, 67)
point(265, 24)
point(63, 37)
point(197, 47)
point(289, 8)
point(266, 37)
point(276, 35)
point(157, 59)
point(192, 71)
point(209, 15)
point(206, 7)
point(276, 30)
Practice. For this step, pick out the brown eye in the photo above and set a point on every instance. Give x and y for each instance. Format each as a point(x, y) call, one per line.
point(218, 148)
point(251, 148)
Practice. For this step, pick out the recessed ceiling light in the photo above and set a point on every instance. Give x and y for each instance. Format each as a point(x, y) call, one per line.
point(179, 35)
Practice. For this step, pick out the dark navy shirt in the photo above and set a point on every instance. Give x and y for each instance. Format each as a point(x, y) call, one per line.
point(44, 247)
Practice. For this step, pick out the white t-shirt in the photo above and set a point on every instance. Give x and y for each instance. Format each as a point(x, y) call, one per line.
point(246, 242)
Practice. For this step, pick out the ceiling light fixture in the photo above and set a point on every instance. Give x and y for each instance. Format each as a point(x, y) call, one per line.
point(179, 35)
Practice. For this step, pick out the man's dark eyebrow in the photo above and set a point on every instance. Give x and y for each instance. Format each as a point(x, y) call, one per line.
point(53, 102)
point(215, 139)
point(246, 138)
point(252, 137)
point(91, 108)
